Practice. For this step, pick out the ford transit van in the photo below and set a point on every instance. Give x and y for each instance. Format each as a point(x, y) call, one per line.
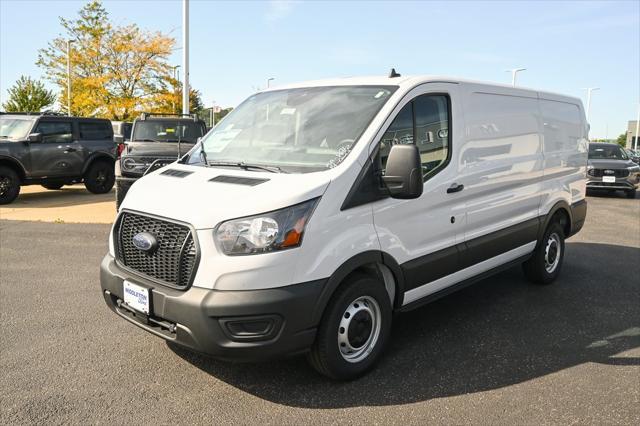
point(313, 212)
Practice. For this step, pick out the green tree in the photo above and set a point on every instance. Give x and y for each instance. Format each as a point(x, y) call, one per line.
point(622, 140)
point(117, 71)
point(28, 95)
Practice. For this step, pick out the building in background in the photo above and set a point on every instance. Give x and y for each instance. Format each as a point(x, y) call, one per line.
point(632, 135)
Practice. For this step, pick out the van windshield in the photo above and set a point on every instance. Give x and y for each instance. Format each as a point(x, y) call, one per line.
point(606, 152)
point(297, 130)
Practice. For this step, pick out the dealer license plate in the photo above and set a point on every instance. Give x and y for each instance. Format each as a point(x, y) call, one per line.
point(136, 297)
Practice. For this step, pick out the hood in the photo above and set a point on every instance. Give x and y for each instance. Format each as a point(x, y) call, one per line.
point(195, 199)
point(610, 164)
point(157, 149)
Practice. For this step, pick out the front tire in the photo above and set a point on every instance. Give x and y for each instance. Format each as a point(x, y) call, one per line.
point(631, 193)
point(545, 264)
point(9, 185)
point(100, 177)
point(353, 330)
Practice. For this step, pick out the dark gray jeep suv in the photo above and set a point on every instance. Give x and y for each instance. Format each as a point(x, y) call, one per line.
point(609, 168)
point(52, 151)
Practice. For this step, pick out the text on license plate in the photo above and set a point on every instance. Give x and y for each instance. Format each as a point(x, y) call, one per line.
point(609, 179)
point(136, 296)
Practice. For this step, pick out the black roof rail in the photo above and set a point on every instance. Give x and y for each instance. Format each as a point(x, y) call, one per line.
point(146, 115)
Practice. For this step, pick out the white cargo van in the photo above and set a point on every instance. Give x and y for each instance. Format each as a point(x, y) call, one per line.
point(313, 212)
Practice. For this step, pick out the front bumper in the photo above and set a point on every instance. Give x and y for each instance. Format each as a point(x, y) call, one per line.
point(221, 323)
point(622, 183)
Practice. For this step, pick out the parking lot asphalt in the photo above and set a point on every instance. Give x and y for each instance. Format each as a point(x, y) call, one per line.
point(502, 351)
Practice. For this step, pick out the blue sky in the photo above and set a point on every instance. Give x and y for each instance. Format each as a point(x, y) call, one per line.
point(236, 46)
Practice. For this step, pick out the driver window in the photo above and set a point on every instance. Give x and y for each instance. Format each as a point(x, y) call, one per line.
point(425, 122)
point(55, 131)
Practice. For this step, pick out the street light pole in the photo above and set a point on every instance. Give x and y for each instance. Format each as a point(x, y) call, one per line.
point(268, 80)
point(514, 72)
point(176, 77)
point(213, 113)
point(69, 76)
point(589, 91)
point(185, 56)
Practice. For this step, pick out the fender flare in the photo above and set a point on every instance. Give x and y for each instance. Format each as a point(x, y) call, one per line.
point(15, 164)
point(96, 156)
point(351, 265)
point(560, 205)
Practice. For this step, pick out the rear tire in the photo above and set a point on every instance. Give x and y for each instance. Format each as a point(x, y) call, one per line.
point(52, 186)
point(100, 177)
point(545, 264)
point(9, 185)
point(354, 329)
point(631, 193)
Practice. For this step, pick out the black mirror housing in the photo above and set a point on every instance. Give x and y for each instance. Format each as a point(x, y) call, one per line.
point(35, 137)
point(403, 174)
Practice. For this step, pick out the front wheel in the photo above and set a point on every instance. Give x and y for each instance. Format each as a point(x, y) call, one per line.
point(9, 185)
point(631, 193)
point(100, 177)
point(545, 264)
point(354, 329)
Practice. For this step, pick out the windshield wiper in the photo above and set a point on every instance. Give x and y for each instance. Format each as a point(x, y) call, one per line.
point(247, 166)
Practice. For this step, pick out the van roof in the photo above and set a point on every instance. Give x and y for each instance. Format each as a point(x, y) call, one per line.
point(415, 80)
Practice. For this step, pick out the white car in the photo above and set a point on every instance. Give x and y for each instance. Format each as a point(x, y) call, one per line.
point(313, 212)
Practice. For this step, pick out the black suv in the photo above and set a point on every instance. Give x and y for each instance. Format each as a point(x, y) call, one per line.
point(54, 150)
point(156, 140)
point(609, 168)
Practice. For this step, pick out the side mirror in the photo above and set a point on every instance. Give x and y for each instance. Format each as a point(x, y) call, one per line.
point(35, 137)
point(403, 175)
point(118, 138)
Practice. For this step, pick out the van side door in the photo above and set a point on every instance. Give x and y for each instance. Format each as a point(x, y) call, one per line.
point(501, 164)
point(423, 234)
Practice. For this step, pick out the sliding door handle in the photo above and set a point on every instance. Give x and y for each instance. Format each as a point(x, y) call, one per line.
point(455, 188)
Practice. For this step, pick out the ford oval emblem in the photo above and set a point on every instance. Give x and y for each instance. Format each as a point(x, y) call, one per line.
point(145, 241)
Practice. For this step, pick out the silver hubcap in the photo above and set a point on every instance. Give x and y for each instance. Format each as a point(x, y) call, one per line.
point(359, 329)
point(552, 253)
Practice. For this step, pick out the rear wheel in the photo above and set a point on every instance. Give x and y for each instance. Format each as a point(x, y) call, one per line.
point(354, 329)
point(9, 185)
point(52, 186)
point(545, 264)
point(100, 177)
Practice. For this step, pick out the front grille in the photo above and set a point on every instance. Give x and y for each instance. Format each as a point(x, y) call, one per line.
point(616, 172)
point(174, 261)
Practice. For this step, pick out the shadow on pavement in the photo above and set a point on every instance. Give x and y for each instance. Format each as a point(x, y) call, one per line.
point(67, 196)
point(499, 332)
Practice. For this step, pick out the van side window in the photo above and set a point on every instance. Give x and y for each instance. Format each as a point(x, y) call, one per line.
point(95, 131)
point(425, 122)
point(55, 131)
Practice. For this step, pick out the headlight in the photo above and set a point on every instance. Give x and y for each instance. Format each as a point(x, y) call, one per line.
point(263, 233)
point(633, 168)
